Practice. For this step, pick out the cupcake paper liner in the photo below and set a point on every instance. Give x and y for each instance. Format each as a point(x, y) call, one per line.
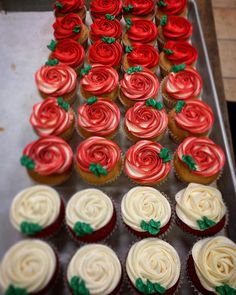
point(166, 101)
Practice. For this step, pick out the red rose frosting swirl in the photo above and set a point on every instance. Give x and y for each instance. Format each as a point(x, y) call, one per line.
point(142, 30)
point(144, 55)
point(140, 86)
point(69, 52)
point(104, 53)
point(177, 28)
point(196, 117)
point(56, 80)
point(173, 6)
point(100, 80)
point(64, 27)
point(97, 150)
point(99, 8)
point(48, 118)
point(66, 6)
point(182, 52)
point(101, 117)
point(209, 158)
point(51, 155)
point(145, 121)
point(140, 7)
point(184, 84)
point(143, 163)
point(105, 27)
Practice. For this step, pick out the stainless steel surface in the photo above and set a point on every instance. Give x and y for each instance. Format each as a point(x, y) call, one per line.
point(24, 37)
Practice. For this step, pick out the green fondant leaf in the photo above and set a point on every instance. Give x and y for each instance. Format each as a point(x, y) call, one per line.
point(92, 100)
point(52, 62)
point(151, 102)
point(159, 288)
point(52, 46)
point(205, 223)
point(63, 104)
point(134, 70)
point(190, 162)
point(12, 290)
point(225, 290)
point(140, 285)
point(179, 106)
point(128, 23)
point(29, 228)
point(108, 40)
point(78, 286)
point(27, 162)
point(58, 5)
point(153, 227)
point(97, 169)
point(76, 29)
point(164, 20)
point(168, 51)
point(128, 49)
point(85, 70)
point(128, 8)
point(109, 16)
point(165, 155)
point(81, 229)
point(149, 287)
point(161, 3)
point(178, 68)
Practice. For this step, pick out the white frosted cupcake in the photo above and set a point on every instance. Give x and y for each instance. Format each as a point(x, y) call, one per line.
point(94, 269)
point(90, 215)
point(37, 211)
point(145, 211)
point(28, 267)
point(200, 209)
point(153, 267)
point(212, 266)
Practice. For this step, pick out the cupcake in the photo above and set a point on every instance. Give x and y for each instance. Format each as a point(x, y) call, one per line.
point(191, 118)
point(48, 160)
point(107, 26)
point(145, 212)
point(57, 80)
point(37, 211)
point(199, 159)
point(200, 209)
point(182, 83)
point(170, 7)
point(90, 215)
point(147, 163)
point(141, 54)
point(212, 265)
point(63, 7)
point(94, 269)
point(141, 9)
point(173, 28)
point(140, 31)
point(71, 26)
point(53, 116)
point(99, 8)
point(28, 267)
point(97, 80)
point(146, 120)
point(98, 117)
point(98, 160)
point(153, 267)
point(138, 85)
point(68, 52)
point(107, 52)
point(176, 53)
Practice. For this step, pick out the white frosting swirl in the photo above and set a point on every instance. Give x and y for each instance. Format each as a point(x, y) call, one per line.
point(154, 260)
point(29, 264)
point(196, 201)
point(91, 206)
point(98, 266)
point(37, 204)
point(215, 262)
point(144, 203)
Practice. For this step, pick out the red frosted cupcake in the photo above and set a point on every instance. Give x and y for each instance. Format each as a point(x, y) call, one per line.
point(71, 26)
point(68, 52)
point(98, 80)
point(199, 160)
point(48, 160)
point(137, 8)
point(147, 163)
point(176, 53)
point(140, 31)
point(98, 160)
point(183, 83)
point(57, 80)
point(173, 28)
point(63, 7)
point(98, 117)
point(99, 8)
point(191, 118)
point(107, 26)
point(138, 85)
point(141, 54)
point(107, 52)
point(146, 120)
point(53, 116)
point(171, 7)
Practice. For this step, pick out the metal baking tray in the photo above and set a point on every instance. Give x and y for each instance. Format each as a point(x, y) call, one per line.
point(22, 57)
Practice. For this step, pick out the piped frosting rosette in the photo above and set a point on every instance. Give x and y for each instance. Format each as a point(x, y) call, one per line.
point(153, 264)
point(96, 269)
point(173, 7)
point(99, 8)
point(138, 8)
point(66, 6)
